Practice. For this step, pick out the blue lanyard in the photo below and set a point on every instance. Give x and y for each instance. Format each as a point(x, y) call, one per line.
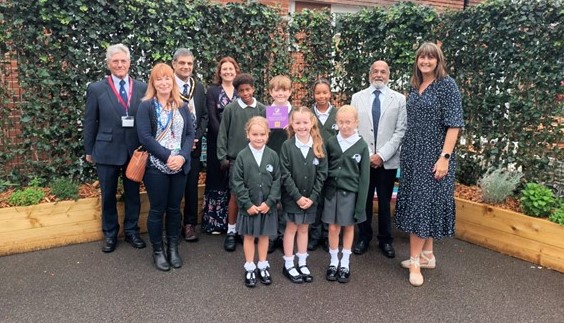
point(158, 109)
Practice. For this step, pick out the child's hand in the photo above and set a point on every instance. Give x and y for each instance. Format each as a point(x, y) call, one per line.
point(263, 208)
point(302, 201)
point(307, 203)
point(253, 210)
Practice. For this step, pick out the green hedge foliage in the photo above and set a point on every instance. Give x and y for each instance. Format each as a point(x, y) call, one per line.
point(506, 56)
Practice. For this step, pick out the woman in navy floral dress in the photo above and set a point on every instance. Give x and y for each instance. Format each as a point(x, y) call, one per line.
point(425, 205)
point(219, 95)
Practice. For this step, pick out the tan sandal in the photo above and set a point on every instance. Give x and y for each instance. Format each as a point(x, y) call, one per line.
point(430, 262)
point(415, 279)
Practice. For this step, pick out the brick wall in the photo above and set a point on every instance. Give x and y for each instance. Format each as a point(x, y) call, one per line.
point(10, 130)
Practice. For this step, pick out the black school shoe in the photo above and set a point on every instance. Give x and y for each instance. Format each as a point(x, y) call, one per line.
point(344, 275)
point(331, 274)
point(250, 278)
point(230, 242)
point(307, 278)
point(264, 275)
point(294, 279)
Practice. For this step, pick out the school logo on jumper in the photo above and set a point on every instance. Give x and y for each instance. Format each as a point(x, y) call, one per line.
point(334, 126)
point(357, 158)
point(316, 161)
point(269, 168)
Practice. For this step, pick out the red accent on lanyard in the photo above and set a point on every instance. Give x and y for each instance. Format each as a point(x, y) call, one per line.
point(126, 106)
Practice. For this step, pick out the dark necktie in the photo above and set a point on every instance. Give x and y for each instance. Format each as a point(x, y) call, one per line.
point(185, 92)
point(122, 92)
point(376, 114)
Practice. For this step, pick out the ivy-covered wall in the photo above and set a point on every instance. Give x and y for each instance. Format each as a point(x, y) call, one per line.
point(506, 56)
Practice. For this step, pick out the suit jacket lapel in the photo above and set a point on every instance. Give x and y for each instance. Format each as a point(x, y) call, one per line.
point(117, 108)
point(388, 99)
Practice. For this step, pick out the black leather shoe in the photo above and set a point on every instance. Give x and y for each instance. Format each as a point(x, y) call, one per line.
point(312, 244)
point(360, 247)
point(250, 278)
point(135, 241)
point(308, 278)
point(388, 250)
point(294, 279)
point(109, 245)
point(272, 245)
point(344, 275)
point(230, 242)
point(264, 276)
point(331, 273)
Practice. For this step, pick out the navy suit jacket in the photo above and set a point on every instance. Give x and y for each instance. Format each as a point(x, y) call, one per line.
point(104, 137)
point(201, 117)
point(147, 129)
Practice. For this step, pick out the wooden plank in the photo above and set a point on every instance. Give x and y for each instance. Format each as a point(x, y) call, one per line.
point(50, 225)
point(511, 222)
point(511, 244)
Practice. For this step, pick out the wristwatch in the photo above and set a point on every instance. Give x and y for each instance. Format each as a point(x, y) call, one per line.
point(445, 155)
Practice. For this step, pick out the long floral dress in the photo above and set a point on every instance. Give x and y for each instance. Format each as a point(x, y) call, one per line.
point(216, 195)
point(425, 206)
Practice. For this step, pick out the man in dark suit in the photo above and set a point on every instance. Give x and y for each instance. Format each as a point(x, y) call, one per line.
point(382, 124)
point(193, 93)
point(110, 137)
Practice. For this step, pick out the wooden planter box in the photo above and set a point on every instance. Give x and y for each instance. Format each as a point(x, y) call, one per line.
point(48, 225)
point(536, 240)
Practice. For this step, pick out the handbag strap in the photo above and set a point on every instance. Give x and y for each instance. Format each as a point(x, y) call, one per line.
point(169, 125)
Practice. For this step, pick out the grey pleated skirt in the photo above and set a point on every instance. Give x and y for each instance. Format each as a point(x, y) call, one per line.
point(258, 225)
point(340, 208)
point(301, 217)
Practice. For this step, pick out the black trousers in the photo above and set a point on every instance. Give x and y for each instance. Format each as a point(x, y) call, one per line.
point(381, 180)
point(191, 193)
point(108, 176)
point(165, 194)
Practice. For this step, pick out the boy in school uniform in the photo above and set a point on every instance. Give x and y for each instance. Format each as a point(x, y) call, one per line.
point(232, 139)
point(280, 89)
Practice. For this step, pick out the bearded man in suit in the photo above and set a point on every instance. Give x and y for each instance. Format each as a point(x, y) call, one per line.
point(382, 125)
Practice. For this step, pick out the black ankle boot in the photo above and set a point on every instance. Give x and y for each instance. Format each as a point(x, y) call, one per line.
point(173, 256)
point(159, 258)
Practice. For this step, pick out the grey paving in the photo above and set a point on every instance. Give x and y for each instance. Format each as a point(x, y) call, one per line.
point(81, 284)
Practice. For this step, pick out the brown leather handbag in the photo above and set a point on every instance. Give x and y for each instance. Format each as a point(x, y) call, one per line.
point(136, 167)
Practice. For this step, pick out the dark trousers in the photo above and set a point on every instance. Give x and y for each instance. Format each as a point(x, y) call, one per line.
point(383, 181)
point(319, 230)
point(108, 176)
point(191, 193)
point(165, 194)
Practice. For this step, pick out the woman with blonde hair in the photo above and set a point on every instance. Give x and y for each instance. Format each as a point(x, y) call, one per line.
point(165, 129)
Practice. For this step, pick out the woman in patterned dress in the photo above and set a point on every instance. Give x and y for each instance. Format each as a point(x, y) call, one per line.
point(425, 205)
point(216, 195)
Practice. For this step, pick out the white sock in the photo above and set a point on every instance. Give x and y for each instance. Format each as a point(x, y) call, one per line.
point(263, 264)
point(302, 257)
point(334, 257)
point(250, 266)
point(289, 263)
point(232, 228)
point(345, 258)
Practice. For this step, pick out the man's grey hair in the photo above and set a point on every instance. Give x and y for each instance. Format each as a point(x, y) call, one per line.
point(182, 52)
point(115, 49)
